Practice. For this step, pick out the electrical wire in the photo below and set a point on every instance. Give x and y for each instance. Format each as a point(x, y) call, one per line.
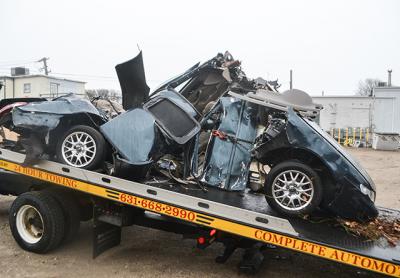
point(86, 75)
point(17, 63)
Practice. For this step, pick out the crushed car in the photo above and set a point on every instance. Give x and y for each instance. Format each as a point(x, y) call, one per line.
point(211, 126)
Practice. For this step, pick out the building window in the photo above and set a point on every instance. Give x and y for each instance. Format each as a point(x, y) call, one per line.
point(27, 88)
point(54, 89)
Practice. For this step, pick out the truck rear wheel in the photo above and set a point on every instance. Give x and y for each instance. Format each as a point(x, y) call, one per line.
point(70, 209)
point(37, 222)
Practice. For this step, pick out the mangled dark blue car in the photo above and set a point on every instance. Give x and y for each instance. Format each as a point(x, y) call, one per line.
point(209, 127)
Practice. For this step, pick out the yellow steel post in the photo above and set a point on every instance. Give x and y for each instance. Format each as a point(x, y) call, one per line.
point(360, 134)
point(366, 137)
point(347, 137)
point(354, 135)
point(338, 136)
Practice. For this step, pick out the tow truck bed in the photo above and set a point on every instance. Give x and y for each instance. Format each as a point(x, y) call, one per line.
point(246, 215)
point(320, 231)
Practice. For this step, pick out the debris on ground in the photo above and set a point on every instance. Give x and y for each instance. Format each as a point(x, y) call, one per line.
point(375, 229)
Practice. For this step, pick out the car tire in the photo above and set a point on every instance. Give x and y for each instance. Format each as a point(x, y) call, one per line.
point(293, 189)
point(70, 209)
point(37, 222)
point(82, 147)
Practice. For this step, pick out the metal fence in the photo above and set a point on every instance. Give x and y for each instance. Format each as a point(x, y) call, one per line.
point(352, 136)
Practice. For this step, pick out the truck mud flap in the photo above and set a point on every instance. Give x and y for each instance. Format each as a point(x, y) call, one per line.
point(105, 236)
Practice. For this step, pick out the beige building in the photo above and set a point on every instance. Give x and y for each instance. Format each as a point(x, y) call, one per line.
point(23, 85)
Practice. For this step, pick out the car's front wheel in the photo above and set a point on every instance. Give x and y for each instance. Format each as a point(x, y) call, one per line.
point(293, 188)
point(81, 147)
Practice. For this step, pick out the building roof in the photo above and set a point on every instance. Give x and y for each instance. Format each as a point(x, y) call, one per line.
point(341, 96)
point(388, 88)
point(349, 97)
point(40, 75)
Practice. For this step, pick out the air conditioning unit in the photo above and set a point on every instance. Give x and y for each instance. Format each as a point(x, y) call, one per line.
point(19, 71)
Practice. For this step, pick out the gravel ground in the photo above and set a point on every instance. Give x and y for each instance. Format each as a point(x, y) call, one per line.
point(152, 253)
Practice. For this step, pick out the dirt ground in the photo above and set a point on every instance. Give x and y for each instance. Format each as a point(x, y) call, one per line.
point(151, 253)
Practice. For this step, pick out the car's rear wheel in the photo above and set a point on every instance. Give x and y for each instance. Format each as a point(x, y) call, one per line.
point(81, 147)
point(293, 188)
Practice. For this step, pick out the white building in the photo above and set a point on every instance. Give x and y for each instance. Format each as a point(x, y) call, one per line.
point(387, 113)
point(379, 113)
point(344, 111)
point(23, 85)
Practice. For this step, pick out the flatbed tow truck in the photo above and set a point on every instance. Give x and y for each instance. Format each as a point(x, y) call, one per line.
point(240, 221)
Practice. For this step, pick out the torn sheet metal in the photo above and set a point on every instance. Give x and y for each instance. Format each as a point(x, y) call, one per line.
point(132, 79)
point(134, 135)
point(296, 99)
point(228, 161)
point(46, 115)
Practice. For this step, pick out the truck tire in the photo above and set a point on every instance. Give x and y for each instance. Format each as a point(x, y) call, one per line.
point(82, 147)
point(70, 209)
point(36, 222)
point(293, 188)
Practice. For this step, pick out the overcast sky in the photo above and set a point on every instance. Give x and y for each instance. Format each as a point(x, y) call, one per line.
point(330, 45)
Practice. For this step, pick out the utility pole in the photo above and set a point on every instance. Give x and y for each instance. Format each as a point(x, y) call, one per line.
point(45, 67)
point(291, 79)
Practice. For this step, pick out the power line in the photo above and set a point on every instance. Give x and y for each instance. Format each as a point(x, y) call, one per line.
point(87, 75)
point(104, 77)
point(17, 63)
point(11, 61)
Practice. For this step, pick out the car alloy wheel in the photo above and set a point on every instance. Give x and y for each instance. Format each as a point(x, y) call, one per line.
point(79, 149)
point(293, 190)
